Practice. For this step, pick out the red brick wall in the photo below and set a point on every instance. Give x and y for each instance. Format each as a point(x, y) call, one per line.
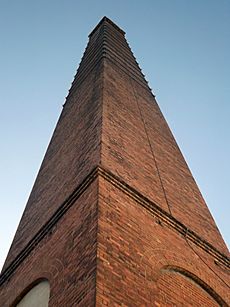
point(66, 257)
point(133, 249)
point(178, 290)
point(112, 250)
point(131, 259)
point(138, 146)
point(73, 152)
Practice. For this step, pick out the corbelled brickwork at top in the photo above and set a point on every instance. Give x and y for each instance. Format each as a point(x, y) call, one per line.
point(115, 212)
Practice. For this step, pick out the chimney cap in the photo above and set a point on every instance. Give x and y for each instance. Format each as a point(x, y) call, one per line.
point(104, 20)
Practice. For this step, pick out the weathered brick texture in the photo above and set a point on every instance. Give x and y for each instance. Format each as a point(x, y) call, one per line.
point(115, 217)
point(73, 152)
point(66, 257)
point(139, 147)
point(144, 263)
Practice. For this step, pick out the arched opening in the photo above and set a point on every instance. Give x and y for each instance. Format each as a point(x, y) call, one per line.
point(177, 286)
point(37, 296)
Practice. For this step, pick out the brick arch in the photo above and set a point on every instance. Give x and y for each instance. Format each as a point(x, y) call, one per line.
point(177, 286)
point(29, 288)
point(158, 257)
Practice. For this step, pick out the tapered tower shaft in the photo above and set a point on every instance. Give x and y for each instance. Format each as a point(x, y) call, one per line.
point(115, 217)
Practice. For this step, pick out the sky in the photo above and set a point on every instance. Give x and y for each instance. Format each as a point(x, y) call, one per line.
point(183, 48)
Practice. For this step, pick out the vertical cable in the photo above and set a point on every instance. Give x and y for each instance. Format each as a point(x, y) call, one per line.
point(151, 148)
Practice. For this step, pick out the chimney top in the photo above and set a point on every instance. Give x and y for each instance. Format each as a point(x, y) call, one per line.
point(106, 20)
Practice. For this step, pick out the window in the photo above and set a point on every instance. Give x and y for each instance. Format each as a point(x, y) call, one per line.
point(38, 296)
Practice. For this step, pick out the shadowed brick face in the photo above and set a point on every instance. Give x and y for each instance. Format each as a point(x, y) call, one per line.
point(66, 257)
point(115, 217)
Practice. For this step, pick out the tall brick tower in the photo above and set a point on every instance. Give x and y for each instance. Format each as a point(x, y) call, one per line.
point(115, 217)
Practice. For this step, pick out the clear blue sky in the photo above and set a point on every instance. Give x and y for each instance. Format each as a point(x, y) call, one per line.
point(183, 48)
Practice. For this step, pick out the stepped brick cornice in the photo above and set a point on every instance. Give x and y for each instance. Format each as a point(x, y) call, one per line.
point(108, 41)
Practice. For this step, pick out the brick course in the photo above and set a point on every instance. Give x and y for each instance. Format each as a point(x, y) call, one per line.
point(144, 263)
point(73, 151)
point(66, 257)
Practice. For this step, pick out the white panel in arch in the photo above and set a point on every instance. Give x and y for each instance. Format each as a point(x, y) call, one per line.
point(38, 296)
